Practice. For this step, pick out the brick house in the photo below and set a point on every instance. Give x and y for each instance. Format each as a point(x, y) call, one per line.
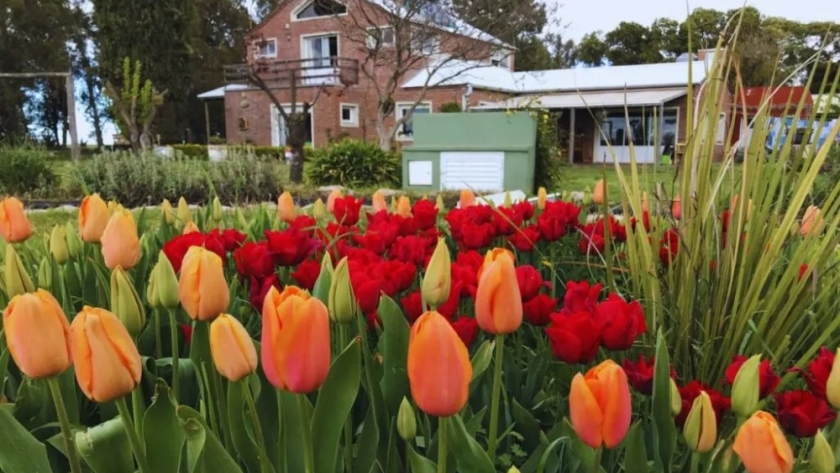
point(318, 37)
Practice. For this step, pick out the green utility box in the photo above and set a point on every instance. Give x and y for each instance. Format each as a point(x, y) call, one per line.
point(482, 151)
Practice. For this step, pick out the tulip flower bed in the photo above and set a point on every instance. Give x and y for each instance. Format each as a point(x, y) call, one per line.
point(393, 338)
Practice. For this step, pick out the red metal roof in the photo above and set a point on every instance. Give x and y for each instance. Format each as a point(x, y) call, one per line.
point(779, 97)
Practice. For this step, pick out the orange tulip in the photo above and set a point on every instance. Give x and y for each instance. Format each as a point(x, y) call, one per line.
point(335, 194)
point(498, 302)
point(93, 217)
point(106, 360)
point(811, 221)
point(286, 207)
point(37, 334)
point(542, 197)
point(232, 348)
point(762, 446)
point(13, 221)
point(645, 205)
point(733, 205)
point(403, 207)
point(379, 203)
point(598, 194)
point(295, 340)
point(599, 405)
point(467, 199)
point(120, 243)
point(439, 369)
point(676, 207)
point(491, 256)
point(202, 287)
point(190, 227)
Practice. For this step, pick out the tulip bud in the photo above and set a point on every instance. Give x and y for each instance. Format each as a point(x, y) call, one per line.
point(242, 222)
point(74, 242)
point(514, 469)
point(508, 200)
point(599, 194)
point(822, 455)
point(286, 207)
point(745, 388)
point(334, 195)
point(45, 274)
point(113, 206)
point(152, 296)
point(403, 206)
point(168, 211)
point(832, 385)
point(342, 302)
point(438, 277)
point(467, 199)
point(125, 302)
point(700, 430)
point(676, 399)
point(232, 349)
point(587, 196)
point(58, 245)
point(184, 215)
point(319, 211)
point(406, 421)
point(439, 205)
point(542, 196)
point(17, 279)
point(190, 227)
point(166, 282)
point(216, 214)
point(37, 335)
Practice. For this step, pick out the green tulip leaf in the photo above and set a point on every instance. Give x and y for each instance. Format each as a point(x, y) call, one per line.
point(394, 353)
point(243, 441)
point(195, 438)
point(4, 365)
point(321, 290)
point(420, 464)
point(213, 457)
point(335, 401)
point(19, 450)
point(31, 403)
point(635, 455)
point(105, 447)
point(664, 431)
point(368, 441)
point(291, 443)
point(480, 362)
point(468, 454)
point(526, 425)
point(162, 431)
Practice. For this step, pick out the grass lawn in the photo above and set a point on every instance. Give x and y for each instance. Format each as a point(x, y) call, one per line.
point(580, 176)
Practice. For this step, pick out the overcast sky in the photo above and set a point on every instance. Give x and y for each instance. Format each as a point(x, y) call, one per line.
point(585, 16)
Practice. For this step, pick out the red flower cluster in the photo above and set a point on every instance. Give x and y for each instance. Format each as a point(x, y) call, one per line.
point(536, 306)
point(689, 393)
point(584, 324)
point(768, 380)
point(593, 235)
point(640, 374)
point(219, 242)
point(802, 414)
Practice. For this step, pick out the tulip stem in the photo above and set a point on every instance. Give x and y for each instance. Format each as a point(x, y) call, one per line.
point(441, 466)
point(344, 336)
point(133, 439)
point(695, 462)
point(158, 340)
point(265, 465)
point(176, 353)
point(64, 421)
point(596, 464)
point(306, 429)
point(138, 406)
point(494, 402)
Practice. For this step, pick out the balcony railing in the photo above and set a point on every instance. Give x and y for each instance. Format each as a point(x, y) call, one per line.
point(282, 74)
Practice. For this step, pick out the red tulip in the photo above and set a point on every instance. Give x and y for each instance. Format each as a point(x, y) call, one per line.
point(768, 380)
point(530, 282)
point(581, 297)
point(575, 337)
point(177, 247)
point(524, 239)
point(538, 310)
point(425, 214)
point(621, 322)
point(669, 246)
point(290, 247)
point(253, 260)
point(346, 210)
point(259, 287)
point(412, 305)
point(306, 274)
point(802, 414)
point(816, 375)
point(690, 391)
point(640, 374)
point(467, 329)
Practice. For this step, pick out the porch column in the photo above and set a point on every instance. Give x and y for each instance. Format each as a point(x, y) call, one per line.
point(207, 121)
point(572, 137)
point(657, 155)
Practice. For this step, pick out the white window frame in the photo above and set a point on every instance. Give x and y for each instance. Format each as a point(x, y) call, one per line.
point(425, 47)
point(258, 54)
point(721, 130)
point(407, 105)
point(370, 38)
point(274, 115)
point(502, 57)
point(305, 37)
point(354, 115)
point(305, 3)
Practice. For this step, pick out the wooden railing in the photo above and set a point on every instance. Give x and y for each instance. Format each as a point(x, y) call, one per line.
point(334, 71)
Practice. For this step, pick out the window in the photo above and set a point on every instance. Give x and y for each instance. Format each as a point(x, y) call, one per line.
point(320, 8)
point(641, 128)
point(500, 58)
point(321, 51)
point(267, 48)
point(380, 36)
point(349, 115)
point(720, 135)
point(406, 131)
point(425, 43)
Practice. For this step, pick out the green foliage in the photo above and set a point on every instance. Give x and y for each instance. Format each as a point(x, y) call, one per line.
point(197, 151)
point(147, 178)
point(354, 163)
point(25, 170)
point(450, 107)
point(548, 169)
point(828, 178)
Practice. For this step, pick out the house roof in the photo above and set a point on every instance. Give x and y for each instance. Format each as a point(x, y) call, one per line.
point(220, 92)
point(777, 97)
point(566, 100)
point(445, 71)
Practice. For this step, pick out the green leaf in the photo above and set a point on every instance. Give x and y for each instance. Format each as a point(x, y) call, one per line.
point(19, 450)
point(321, 290)
point(420, 464)
point(213, 457)
point(526, 425)
point(480, 362)
point(635, 455)
point(242, 441)
point(162, 431)
point(394, 353)
point(67, 382)
point(105, 447)
point(195, 438)
point(368, 441)
point(291, 438)
point(31, 403)
point(468, 454)
point(4, 366)
point(664, 431)
point(335, 401)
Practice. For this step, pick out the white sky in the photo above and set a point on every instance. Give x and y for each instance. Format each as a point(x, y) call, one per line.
point(585, 16)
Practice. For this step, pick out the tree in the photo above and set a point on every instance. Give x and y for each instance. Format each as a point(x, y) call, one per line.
point(564, 52)
point(631, 43)
point(135, 104)
point(397, 40)
point(592, 49)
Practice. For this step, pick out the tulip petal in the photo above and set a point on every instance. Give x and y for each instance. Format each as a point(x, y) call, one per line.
point(616, 406)
point(270, 336)
point(307, 347)
point(585, 413)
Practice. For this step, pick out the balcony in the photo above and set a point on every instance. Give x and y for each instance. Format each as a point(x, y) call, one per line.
point(283, 74)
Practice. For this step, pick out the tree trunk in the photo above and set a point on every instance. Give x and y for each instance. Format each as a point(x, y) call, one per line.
point(383, 133)
point(296, 141)
point(94, 110)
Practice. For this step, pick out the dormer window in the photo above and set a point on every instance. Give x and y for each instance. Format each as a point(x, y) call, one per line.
point(500, 58)
point(321, 8)
point(267, 48)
